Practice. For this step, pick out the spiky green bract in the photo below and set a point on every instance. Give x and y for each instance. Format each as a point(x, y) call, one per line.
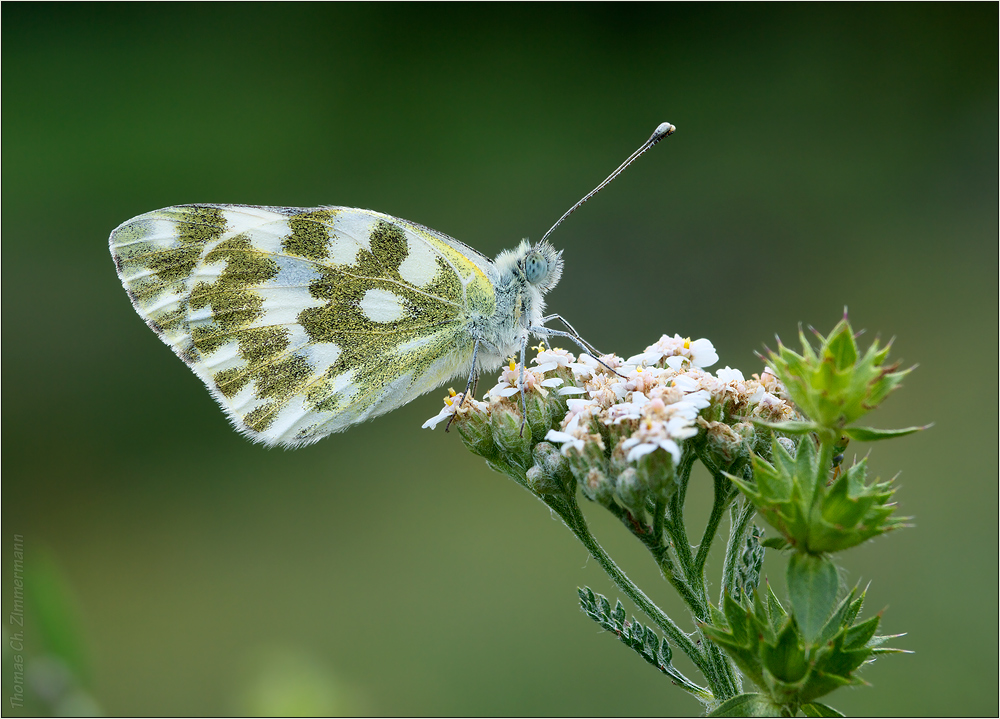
point(747, 705)
point(812, 587)
point(835, 385)
point(793, 497)
point(643, 640)
point(791, 671)
point(815, 709)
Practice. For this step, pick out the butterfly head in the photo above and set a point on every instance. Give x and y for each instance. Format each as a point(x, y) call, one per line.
point(541, 265)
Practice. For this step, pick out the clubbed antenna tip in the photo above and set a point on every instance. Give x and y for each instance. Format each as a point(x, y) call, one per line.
point(664, 129)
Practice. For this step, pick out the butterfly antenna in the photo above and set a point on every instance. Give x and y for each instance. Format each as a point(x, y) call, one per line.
point(665, 129)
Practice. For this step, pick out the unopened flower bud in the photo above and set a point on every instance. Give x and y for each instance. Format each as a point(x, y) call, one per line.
point(539, 414)
point(476, 432)
point(597, 486)
point(632, 492)
point(511, 435)
point(550, 473)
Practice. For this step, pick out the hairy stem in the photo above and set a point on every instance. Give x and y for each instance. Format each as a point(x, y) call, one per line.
point(570, 512)
point(739, 517)
point(724, 494)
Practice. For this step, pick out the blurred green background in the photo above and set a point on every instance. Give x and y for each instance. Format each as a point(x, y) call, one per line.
point(825, 156)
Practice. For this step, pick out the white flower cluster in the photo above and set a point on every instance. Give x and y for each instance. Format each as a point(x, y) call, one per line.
point(649, 394)
point(648, 402)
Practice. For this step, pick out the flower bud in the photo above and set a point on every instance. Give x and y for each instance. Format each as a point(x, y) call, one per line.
point(631, 492)
point(590, 456)
point(550, 473)
point(835, 385)
point(597, 486)
point(793, 497)
point(656, 473)
point(539, 414)
point(477, 433)
point(769, 647)
point(511, 435)
point(726, 443)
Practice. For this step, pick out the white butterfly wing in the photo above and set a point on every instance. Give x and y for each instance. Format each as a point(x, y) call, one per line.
point(303, 322)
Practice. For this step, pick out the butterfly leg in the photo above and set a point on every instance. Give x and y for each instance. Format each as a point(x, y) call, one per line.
point(584, 345)
point(574, 335)
point(472, 382)
point(524, 407)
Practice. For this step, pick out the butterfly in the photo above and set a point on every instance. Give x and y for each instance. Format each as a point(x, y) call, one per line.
point(305, 321)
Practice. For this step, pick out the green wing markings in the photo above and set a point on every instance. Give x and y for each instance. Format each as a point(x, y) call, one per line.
point(366, 339)
point(155, 264)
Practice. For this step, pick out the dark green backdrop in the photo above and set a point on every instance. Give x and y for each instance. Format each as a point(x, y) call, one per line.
point(825, 156)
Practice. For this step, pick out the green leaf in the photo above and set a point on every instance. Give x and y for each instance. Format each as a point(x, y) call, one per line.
point(785, 660)
point(835, 623)
point(815, 709)
point(858, 635)
point(738, 619)
point(746, 658)
point(718, 618)
point(790, 426)
point(871, 434)
point(775, 543)
point(747, 705)
point(643, 640)
point(812, 587)
point(774, 610)
point(841, 346)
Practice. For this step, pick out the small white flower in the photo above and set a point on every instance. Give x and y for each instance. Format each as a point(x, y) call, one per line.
point(700, 399)
point(681, 427)
point(454, 404)
point(640, 449)
point(578, 405)
point(437, 419)
point(566, 440)
point(686, 383)
point(510, 380)
point(637, 448)
point(676, 362)
point(622, 411)
point(649, 357)
point(560, 357)
point(666, 346)
point(703, 354)
point(581, 371)
point(729, 375)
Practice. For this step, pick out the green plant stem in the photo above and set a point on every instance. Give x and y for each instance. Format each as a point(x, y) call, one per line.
point(570, 512)
point(674, 524)
point(739, 516)
point(654, 542)
point(690, 580)
point(723, 496)
point(659, 519)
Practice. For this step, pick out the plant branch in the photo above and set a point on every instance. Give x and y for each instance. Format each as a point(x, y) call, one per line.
point(570, 512)
point(724, 494)
point(739, 515)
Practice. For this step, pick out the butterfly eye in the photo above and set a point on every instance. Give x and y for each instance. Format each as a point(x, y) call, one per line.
point(535, 267)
